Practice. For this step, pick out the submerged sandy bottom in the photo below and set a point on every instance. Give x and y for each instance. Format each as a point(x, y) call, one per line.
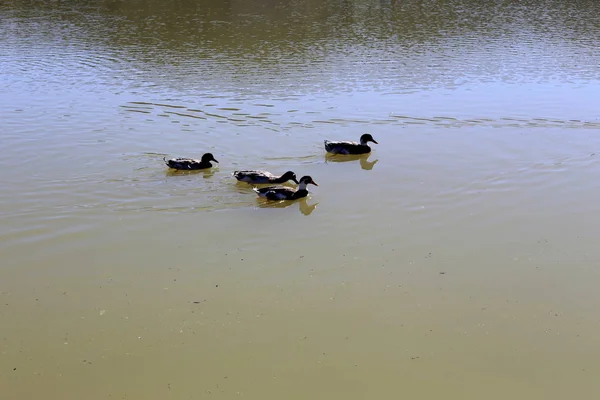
point(463, 286)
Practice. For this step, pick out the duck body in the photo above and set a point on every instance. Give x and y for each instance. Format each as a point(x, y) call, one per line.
point(188, 164)
point(262, 177)
point(281, 193)
point(284, 192)
point(347, 147)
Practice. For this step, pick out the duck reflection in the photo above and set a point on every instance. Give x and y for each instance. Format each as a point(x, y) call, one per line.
point(206, 173)
point(362, 158)
point(303, 205)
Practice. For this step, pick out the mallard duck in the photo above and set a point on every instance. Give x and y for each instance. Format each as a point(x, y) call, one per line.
point(284, 192)
point(258, 177)
point(350, 147)
point(190, 163)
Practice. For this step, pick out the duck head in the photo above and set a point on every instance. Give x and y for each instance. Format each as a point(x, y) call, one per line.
point(366, 138)
point(208, 157)
point(306, 180)
point(290, 176)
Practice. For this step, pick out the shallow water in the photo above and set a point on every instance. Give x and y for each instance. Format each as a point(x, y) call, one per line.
point(458, 259)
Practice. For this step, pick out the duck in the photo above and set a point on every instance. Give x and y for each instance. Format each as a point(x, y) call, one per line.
point(191, 163)
point(259, 177)
point(345, 147)
point(284, 192)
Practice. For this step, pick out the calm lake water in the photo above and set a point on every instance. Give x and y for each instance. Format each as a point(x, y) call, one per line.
point(459, 260)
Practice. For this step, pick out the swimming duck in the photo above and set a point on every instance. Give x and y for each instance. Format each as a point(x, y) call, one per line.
point(191, 163)
point(284, 192)
point(258, 177)
point(350, 147)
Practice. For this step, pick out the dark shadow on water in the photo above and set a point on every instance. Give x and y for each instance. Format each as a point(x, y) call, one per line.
point(361, 158)
point(303, 205)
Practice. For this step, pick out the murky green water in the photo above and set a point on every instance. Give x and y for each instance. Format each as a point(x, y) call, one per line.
point(458, 260)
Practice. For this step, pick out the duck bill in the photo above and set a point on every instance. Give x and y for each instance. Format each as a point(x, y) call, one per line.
point(295, 181)
point(215, 160)
point(314, 183)
point(374, 141)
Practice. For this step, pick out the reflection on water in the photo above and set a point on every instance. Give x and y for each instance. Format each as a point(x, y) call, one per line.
point(463, 266)
point(363, 159)
point(303, 205)
point(206, 173)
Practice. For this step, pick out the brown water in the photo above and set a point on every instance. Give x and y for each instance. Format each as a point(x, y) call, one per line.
point(459, 260)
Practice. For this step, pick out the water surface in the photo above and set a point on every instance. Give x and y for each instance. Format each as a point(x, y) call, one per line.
point(459, 259)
